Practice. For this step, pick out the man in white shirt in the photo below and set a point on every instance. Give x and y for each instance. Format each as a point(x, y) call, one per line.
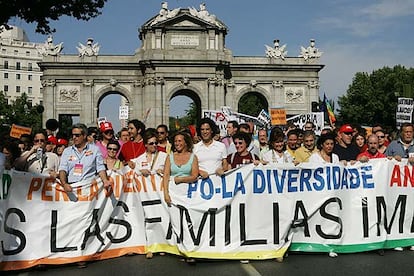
point(211, 154)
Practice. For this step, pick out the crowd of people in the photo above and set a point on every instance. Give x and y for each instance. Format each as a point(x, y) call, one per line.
point(189, 154)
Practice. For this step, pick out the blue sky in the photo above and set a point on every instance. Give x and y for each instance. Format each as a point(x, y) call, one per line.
point(354, 36)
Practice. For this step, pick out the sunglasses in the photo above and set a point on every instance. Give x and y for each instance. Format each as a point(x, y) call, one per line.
point(382, 136)
point(76, 134)
point(109, 132)
point(160, 132)
point(347, 133)
point(152, 143)
point(113, 149)
point(238, 143)
point(39, 140)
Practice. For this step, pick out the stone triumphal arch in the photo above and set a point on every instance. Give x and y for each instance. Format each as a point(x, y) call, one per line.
point(182, 53)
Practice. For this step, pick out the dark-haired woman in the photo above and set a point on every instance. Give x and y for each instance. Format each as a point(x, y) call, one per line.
point(111, 161)
point(325, 153)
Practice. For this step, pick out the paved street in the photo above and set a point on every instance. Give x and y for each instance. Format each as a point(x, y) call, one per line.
point(369, 263)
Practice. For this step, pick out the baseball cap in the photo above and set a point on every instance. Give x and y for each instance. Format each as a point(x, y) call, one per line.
point(62, 141)
point(105, 126)
point(52, 139)
point(346, 129)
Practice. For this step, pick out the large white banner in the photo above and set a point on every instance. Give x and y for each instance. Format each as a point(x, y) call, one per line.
point(251, 213)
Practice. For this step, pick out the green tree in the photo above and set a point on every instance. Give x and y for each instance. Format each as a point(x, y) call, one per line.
point(372, 98)
point(41, 12)
point(191, 115)
point(20, 112)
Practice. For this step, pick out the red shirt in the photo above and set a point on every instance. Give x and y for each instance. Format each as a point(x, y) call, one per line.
point(370, 156)
point(131, 150)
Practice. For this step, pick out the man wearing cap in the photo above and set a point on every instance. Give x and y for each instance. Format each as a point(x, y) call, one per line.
point(37, 159)
point(404, 146)
point(344, 147)
point(107, 134)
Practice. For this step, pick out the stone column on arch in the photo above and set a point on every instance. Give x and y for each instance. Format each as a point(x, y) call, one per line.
point(89, 106)
point(313, 87)
point(159, 102)
point(278, 94)
point(50, 103)
point(211, 93)
point(135, 106)
point(229, 88)
point(148, 101)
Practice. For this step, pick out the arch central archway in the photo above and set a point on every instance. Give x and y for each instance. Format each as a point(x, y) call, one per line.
point(252, 103)
point(193, 108)
point(108, 106)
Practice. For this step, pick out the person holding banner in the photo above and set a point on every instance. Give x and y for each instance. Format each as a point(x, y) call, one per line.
point(276, 153)
point(210, 153)
point(243, 156)
point(404, 146)
point(111, 161)
point(308, 148)
point(81, 161)
point(135, 146)
point(37, 159)
point(181, 165)
point(152, 161)
point(372, 151)
point(325, 154)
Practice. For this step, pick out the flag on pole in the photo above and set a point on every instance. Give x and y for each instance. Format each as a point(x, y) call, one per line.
point(329, 110)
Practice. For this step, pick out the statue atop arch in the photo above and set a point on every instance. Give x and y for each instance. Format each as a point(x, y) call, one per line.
point(164, 13)
point(204, 15)
point(50, 49)
point(276, 52)
point(89, 50)
point(310, 52)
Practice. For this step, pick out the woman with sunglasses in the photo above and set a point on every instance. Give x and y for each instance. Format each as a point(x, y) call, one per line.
point(381, 141)
point(242, 155)
point(152, 161)
point(111, 161)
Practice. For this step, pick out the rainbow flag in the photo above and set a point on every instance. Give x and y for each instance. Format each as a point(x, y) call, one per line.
point(329, 110)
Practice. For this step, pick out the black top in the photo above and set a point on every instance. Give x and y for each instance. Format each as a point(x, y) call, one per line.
point(349, 153)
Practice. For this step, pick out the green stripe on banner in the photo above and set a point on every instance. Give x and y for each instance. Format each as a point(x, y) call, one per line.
point(352, 248)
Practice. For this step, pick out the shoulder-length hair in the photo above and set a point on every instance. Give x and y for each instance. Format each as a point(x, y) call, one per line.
point(187, 139)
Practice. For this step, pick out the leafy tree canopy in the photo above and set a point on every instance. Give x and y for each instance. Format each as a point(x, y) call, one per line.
point(20, 112)
point(372, 98)
point(42, 11)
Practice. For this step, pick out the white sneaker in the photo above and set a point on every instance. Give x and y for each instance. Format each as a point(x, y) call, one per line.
point(333, 254)
point(412, 248)
point(399, 248)
point(244, 261)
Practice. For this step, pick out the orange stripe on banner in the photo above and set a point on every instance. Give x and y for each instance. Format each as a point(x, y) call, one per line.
point(107, 254)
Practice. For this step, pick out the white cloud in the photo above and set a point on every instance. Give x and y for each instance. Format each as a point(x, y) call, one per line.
point(365, 20)
point(389, 9)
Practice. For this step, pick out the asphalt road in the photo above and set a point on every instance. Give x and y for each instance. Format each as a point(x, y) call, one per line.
point(368, 263)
